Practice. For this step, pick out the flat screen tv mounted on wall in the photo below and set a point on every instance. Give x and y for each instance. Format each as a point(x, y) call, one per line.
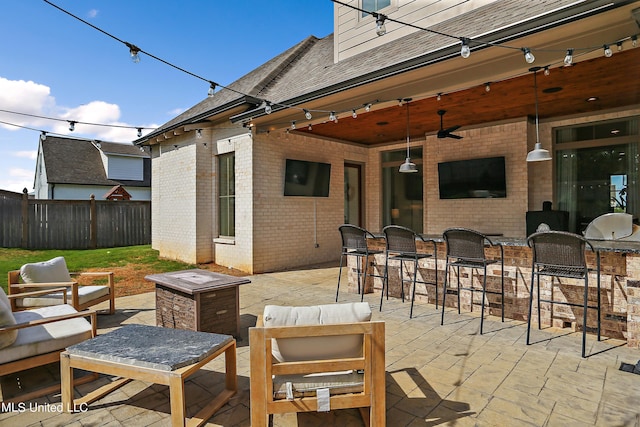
point(304, 178)
point(473, 178)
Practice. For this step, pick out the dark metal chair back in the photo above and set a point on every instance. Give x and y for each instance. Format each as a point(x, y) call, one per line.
point(558, 248)
point(400, 239)
point(353, 237)
point(465, 243)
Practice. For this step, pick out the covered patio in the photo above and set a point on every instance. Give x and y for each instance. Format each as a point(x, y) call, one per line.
point(435, 375)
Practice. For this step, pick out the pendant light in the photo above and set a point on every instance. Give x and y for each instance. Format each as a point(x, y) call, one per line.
point(538, 153)
point(407, 166)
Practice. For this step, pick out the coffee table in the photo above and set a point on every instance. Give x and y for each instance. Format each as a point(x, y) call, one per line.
point(152, 354)
point(198, 300)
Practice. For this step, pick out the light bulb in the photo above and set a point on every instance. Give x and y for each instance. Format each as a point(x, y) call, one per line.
point(267, 108)
point(634, 41)
point(546, 71)
point(212, 89)
point(465, 51)
point(568, 59)
point(72, 126)
point(332, 116)
point(307, 114)
point(487, 87)
point(607, 51)
point(439, 97)
point(198, 133)
point(381, 30)
point(43, 136)
point(293, 125)
point(619, 44)
point(310, 128)
point(354, 114)
point(139, 132)
point(367, 108)
point(528, 56)
point(135, 57)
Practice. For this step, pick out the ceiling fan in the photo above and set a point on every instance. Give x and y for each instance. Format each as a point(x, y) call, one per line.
point(446, 133)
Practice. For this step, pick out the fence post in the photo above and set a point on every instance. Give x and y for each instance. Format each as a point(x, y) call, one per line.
point(93, 226)
point(25, 219)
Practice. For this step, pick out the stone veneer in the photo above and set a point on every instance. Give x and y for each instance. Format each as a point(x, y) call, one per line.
point(620, 290)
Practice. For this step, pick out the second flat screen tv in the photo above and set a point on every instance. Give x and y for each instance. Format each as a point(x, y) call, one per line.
point(303, 178)
point(473, 178)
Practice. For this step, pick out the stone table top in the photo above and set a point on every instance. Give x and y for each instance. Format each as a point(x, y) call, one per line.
point(195, 281)
point(153, 347)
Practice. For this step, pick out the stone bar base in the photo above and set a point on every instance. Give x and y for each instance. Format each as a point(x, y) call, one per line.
point(619, 293)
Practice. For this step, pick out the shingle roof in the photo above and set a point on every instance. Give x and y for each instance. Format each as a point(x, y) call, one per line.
point(309, 66)
point(78, 161)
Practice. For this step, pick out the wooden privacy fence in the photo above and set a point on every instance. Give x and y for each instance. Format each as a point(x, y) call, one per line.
point(72, 224)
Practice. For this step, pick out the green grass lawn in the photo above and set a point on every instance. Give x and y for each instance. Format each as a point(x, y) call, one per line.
point(81, 260)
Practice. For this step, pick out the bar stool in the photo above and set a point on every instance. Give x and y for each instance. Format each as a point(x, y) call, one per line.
point(354, 243)
point(562, 254)
point(401, 246)
point(465, 248)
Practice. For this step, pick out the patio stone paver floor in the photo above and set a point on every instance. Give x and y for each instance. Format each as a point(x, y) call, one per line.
point(436, 375)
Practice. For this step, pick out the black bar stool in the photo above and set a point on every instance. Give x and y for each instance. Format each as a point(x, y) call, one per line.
point(354, 243)
point(401, 246)
point(465, 248)
point(562, 254)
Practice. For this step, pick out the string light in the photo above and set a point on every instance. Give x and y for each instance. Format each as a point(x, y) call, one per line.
point(367, 108)
point(198, 133)
point(43, 136)
point(568, 59)
point(310, 128)
point(139, 132)
point(332, 117)
point(381, 30)
point(72, 125)
point(619, 44)
point(465, 51)
point(439, 97)
point(607, 51)
point(354, 114)
point(293, 125)
point(528, 56)
point(307, 114)
point(134, 51)
point(546, 70)
point(487, 87)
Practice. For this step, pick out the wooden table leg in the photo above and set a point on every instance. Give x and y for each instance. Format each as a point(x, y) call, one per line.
point(178, 405)
point(66, 382)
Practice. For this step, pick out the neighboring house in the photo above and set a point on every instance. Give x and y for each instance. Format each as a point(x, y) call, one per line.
point(220, 169)
point(74, 169)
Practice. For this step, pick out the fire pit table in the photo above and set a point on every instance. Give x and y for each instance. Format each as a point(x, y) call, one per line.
point(198, 300)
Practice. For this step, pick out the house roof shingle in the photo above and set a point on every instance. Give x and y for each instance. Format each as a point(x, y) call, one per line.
point(309, 66)
point(78, 161)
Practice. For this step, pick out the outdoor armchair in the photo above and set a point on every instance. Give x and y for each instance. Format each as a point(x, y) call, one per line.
point(33, 338)
point(317, 358)
point(54, 274)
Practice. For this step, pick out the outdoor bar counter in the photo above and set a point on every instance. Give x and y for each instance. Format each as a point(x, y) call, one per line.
point(619, 285)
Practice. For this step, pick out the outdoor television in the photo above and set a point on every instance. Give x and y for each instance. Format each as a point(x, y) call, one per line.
point(303, 178)
point(473, 178)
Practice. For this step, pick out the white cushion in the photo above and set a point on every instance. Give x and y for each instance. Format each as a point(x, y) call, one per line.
point(54, 270)
point(46, 338)
point(6, 319)
point(312, 348)
point(4, 298)
point(85, 294)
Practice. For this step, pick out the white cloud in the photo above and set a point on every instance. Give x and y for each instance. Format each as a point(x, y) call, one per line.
point(176, 112)
point(20, 173)
point(31, 154)
point(24, 97)
point(34, 98)
point(93, 13)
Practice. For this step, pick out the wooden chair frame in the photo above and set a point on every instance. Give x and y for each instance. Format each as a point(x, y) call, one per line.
point(264, 366)
point(45, 358)
point(14, 285)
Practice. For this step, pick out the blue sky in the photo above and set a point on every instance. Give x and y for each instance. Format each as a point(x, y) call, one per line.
point(53, 65)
